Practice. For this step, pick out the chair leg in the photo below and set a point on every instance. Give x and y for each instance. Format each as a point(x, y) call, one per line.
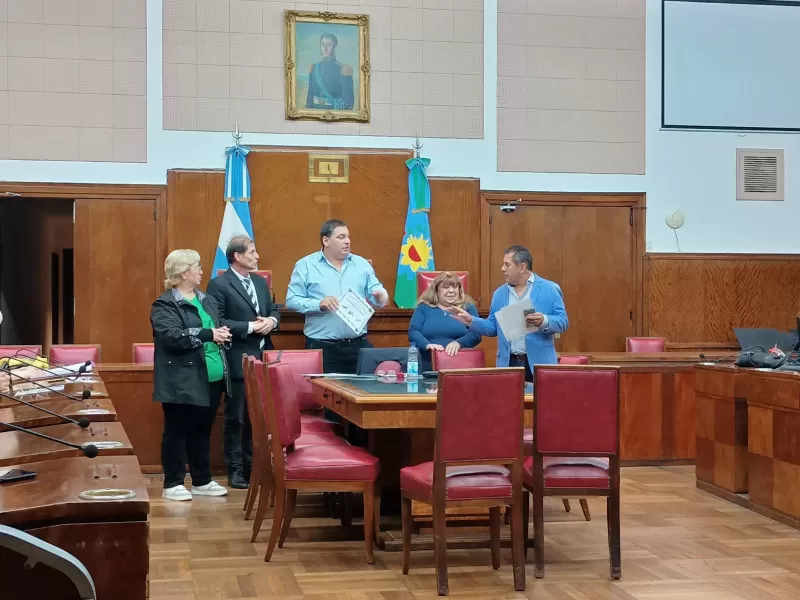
point(517, 541)
point(538, 535)
point(406, 513)
point(272, 496)
point(494, 535)
point(347, 509)
point(377, 518)
point(252, 489)
point(566, 504)
point(291, 498)
point(277, 520)
point(526, 517)
point(612, 505)
point(585, 508)
point(369, 519)
point(440, 547)
point(264, 494)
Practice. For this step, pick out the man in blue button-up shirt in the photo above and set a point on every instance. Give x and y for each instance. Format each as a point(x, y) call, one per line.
point(317, 283)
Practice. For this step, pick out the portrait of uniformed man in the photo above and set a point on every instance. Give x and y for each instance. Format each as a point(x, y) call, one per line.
point(330, 83)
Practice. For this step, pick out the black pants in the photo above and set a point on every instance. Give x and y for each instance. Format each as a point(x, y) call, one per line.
point(187, 434)
point(516, 360)
point(237, 433)
point(342, 357)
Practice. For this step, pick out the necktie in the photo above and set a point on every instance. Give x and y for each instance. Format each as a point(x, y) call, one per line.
point(251, 291)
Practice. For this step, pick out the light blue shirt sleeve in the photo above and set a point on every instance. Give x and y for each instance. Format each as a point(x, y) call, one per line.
point(374, 285)
point(298, 297)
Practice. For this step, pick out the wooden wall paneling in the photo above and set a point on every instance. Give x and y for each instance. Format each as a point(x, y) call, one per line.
point(641, 417)
point(116, 262)
point(700, 298)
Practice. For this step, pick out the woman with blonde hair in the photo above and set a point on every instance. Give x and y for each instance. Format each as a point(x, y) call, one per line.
point(190, 375)
point(432, 326)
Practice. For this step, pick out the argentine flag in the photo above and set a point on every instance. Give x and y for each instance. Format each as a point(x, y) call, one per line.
point(236, 220)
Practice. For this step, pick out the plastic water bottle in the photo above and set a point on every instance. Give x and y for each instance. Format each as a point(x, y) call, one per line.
point(413, 360)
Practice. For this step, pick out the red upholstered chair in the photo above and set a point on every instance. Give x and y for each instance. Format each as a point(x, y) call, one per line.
point(468, 358)
point(645, 345)
point(143, 354)
point(388, 365)
point(425, 279)
point(304, 362)
point(75, 353)
point(261, 477)
point(335, 468)
point(576, 446)
point(477, 462)
point(21, 351)
point(573, 360)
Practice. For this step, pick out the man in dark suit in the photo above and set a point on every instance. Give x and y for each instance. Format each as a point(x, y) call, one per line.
point(245, 305)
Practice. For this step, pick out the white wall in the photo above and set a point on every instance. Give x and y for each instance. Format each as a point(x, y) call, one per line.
point(688, 171)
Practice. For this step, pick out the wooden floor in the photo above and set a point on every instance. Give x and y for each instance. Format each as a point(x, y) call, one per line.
point(677, 543)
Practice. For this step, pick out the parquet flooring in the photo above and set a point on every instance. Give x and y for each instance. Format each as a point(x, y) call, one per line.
point(677, 543)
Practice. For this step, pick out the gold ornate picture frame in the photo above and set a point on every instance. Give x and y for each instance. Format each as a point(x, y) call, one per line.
point(327, 66)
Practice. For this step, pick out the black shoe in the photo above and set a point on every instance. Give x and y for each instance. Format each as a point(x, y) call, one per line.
point(236, 481)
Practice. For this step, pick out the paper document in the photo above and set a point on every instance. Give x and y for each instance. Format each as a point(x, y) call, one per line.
point(38, 390)
point(60, 372)
point(512, 320)
point(354, 311)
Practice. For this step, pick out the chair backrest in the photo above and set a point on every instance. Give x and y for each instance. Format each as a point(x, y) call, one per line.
point(21, 351)
point(300, 361)
point(577, 410)
point(370, 358)
point(425, 279)
point(143, 354)
point(479, 415)
point(75, 353)
point(388, 365)
point(281, 402)
point(573, 360)
point(468, 358)
point(254, 393)
point(645, 345)
point(266, 274)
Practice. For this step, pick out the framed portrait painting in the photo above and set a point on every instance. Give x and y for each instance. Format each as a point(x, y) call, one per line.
point(327, 66)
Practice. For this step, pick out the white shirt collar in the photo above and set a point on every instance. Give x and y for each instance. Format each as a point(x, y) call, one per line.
point(239, 275)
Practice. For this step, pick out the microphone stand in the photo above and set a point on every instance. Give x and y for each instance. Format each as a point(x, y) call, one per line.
point(89, 450)
point(83, 423)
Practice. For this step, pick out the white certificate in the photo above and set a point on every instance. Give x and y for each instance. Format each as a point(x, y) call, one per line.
point(354, 311)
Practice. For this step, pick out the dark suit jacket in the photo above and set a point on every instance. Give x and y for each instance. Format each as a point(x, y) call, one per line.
point(237, 312)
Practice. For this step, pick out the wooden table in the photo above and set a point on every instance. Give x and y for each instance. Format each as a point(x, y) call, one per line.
point(767, 478)
point(18, 446)
point(110, 537)
point(96, 387)
point(25, 416)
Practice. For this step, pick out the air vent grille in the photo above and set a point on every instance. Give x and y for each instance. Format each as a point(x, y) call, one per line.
point(759, 174)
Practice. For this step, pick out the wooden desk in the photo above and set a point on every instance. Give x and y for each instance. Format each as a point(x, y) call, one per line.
point(25, 416)
point(721, 432)
point(109, 537)
point(17, 446)
point(97, 389)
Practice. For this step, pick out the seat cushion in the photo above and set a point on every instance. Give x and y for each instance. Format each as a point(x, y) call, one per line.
point(463, 483)
point(570, 472)
point(527, 441)
point(311, 422)
point(339, 462)
point(318, 439)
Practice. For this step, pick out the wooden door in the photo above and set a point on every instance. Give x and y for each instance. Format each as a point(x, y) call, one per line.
point(116, 257)
point(588, 251)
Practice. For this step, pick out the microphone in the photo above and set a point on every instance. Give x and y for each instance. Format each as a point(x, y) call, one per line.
point(727, 356)
point(84, 396)
point(89, 450)
point(31, 354)
point(81, 370)
point(83, 422)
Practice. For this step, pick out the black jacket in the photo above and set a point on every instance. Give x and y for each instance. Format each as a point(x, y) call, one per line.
point(179, 366)
point(237, 311)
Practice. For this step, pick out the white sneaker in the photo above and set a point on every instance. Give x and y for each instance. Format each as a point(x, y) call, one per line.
point(210, 489)
point(178, 492)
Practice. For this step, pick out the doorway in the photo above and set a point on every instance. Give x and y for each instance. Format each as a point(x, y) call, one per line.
point(588, 244)
point(36, 243)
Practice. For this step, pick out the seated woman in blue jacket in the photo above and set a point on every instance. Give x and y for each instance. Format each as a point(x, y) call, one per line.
point(432, 327)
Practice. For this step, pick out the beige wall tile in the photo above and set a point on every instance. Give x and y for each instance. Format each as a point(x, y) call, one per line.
point(272, 19)
point(180, 47)
point(96, 43)
point(249, 113)
point(130, 78)
point(3, 73)
point(4, 142)
point(438, 89)
point(25, 108)
point(95, 144)
point(213, 48)
point(130, 45)
point(631, 9)
point(437, 121)
point(245, 16)
point(630, 65)
point(25, 74)
point(406, 119)
point(180, 80)
point(381, 87)
point(406, 23)
point(406, 88)
point(407, 56)
point(62, 110)
point(180, 113)
point(213, 114)
point(556, 63)
point(272, 82)
point(3, 38)
point(468, 90)
point(213, 81)
point(512, 6)
point(96, 77)
point(25, 39)
point(96, 13)
point(467, 25)
point(130, 112)
point(180, 14)
point(468, 121)
point(246, 83)
point(4, 107)
point(437, 25)
point(246, 49)
point(60, 12)
point(130, 145)
point(60, 41)
point(130, 13)
point(96, 110)
point(214, 15)
point(272, 54)
point(25, 11)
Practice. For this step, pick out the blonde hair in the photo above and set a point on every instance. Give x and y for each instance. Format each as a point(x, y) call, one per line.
point(177, 263)
point(431, 295)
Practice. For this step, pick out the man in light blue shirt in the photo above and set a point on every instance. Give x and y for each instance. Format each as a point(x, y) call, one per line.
point(318, 281)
